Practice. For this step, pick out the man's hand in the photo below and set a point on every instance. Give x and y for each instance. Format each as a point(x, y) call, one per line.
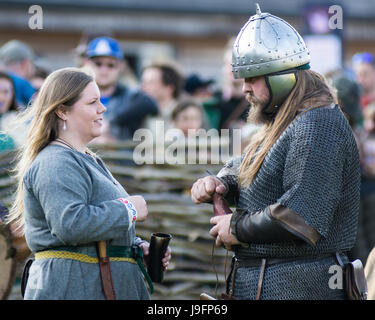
point(222, 232)
point(204, 188)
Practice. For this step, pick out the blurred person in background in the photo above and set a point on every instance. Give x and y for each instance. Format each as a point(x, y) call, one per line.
point(366, 236)
point(127, 108)
point(348, 94)
point(364, 67)
point(11, 137)
point(17, 60)
point(10, 140)
point(164, 83)
point(188, 117)
point(38, 78)
point(42, 70)
point(199, 89)
point(202, 91)
point(7, 106)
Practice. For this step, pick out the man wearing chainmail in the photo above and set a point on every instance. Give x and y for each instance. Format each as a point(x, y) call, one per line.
point(296, 186)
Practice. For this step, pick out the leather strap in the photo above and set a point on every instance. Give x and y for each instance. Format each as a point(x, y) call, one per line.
point(261, 277)
point(105, 272)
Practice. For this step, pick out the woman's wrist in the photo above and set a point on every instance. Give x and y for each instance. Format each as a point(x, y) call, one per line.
point(132, 211)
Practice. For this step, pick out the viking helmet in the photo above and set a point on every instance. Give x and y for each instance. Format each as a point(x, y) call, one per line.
point(269, 46)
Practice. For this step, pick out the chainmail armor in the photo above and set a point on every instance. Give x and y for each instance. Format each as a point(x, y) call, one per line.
point(313, 169)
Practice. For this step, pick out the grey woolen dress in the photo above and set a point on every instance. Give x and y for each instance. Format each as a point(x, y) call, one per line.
point(71, 199)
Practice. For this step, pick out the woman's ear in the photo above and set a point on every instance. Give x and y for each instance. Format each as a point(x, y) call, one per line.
point(61, 112)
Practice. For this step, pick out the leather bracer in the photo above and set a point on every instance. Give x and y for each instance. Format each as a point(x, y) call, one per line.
point(276, 223)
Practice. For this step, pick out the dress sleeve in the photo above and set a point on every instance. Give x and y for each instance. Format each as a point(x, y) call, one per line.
point(63, 189)
point(313, 172)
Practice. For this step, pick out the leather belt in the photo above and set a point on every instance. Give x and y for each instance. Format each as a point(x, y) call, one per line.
point(262, 262)
point(257, 262)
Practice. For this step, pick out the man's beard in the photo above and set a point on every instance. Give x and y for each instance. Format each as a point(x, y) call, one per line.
point(256, 113)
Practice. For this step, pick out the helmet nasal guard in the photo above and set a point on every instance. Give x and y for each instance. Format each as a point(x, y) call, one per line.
point(269, 46)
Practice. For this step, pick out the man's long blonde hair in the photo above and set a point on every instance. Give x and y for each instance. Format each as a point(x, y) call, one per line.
point(61, 89)
point(310, 91)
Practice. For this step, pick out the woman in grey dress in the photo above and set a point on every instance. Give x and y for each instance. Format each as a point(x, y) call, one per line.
point(67, 201)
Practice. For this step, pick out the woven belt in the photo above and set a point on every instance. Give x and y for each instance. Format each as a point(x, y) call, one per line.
point(132, 254)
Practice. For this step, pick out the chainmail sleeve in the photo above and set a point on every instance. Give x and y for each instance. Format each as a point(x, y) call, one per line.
point(314, 171)
point(228, 175)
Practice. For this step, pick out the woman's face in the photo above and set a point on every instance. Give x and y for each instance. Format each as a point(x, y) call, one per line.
point(84, 118)
point(6, 95)
point(189, 119)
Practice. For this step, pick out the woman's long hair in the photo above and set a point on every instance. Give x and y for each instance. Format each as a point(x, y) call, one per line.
point(310, 91)
point(61, 89)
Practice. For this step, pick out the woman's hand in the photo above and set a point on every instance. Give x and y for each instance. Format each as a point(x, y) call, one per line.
point(140, 205)
point(165, 261)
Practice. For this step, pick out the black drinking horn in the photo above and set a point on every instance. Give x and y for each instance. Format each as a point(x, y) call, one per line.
point(158, 246)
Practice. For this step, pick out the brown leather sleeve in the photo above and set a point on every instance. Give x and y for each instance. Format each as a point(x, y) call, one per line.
point(276, 223)
point(294, 223)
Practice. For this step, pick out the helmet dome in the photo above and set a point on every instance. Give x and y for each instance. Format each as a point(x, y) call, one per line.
point(267, 44)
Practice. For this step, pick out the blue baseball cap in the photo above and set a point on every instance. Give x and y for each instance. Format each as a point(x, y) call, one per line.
point(363, 57)
point(104, 47)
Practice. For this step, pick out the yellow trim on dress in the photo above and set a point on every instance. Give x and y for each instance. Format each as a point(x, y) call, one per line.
point(55, 254)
